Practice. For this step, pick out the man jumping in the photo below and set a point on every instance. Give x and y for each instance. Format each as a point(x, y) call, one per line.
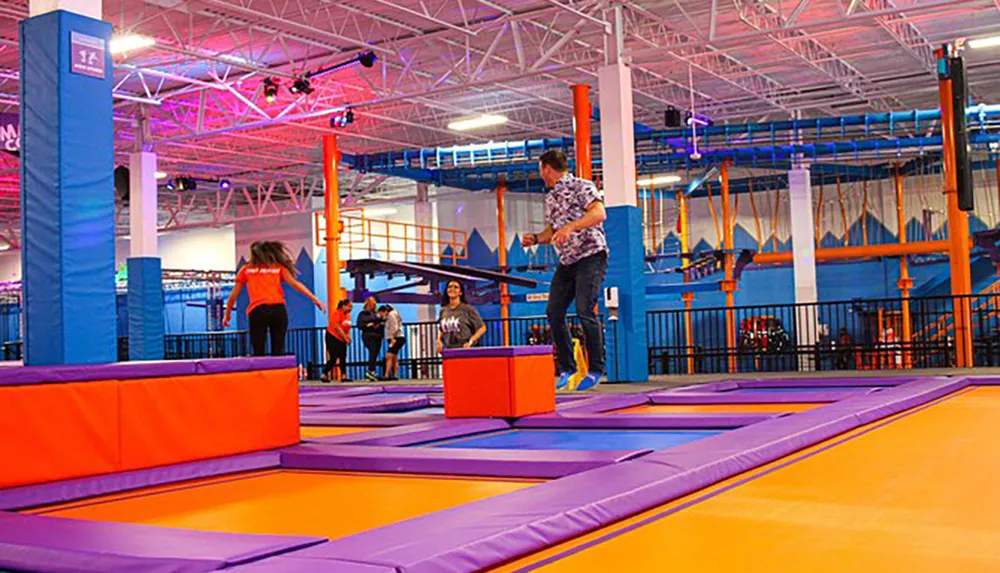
point(574, 217)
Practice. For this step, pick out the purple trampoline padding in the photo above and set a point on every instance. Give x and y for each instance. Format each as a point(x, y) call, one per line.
point(321, 418)
point(291, 564)
point(984, 380)
point(22, 375)
point(806, 382)
point(440, 429)
point(362, 404)
point(434, 388)
point(347, 392)
point(485, 533)
point(642, 421)
point(751, 398)
point(68, 490)
point(496, 352)
point(602, 403)
point(54, 544)
point(222, 365)
point(494, 463)
point(436, 400)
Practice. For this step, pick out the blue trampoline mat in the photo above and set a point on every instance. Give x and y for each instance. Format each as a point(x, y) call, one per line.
point(802, 389)
point(531, 439)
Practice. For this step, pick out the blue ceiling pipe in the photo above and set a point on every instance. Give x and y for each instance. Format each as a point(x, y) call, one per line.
point(471, 155)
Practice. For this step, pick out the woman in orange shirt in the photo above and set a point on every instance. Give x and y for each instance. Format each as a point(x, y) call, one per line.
point(270, 265)
point(338, 338)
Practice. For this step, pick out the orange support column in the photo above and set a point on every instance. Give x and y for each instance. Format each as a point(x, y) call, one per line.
point(905, 282)
point(958, 230)
point(331, 211)
point(581, 130)
point(728, 284)
point(502, 254)
point(683, 229)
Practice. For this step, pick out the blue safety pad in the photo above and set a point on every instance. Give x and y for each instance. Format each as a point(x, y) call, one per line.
point(530, 439)
point(145, 309)
point(67, 212)
point(627, 353)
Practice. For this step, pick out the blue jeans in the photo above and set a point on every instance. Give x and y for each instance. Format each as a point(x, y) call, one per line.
point(581, 281)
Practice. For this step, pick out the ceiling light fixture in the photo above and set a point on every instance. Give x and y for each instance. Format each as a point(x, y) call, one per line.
point(658, 180)
point(225, 185)
point(130, 43)
point(477, 122)
point(989, 42)
point(270, 90)
point(301, 86)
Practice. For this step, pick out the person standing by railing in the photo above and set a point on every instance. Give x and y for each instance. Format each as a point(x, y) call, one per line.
point(270, 265)
point(372, 335)
point(460, 323)
point(574, 216)
point(395, 336)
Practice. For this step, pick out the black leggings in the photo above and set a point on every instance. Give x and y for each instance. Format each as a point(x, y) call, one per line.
point(268, 319)
point(374, 347)
point(337, 349)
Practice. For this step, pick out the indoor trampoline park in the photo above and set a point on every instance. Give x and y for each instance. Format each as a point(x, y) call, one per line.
point(456, 286)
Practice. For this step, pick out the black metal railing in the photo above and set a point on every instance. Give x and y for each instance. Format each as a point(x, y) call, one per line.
point(843, 335)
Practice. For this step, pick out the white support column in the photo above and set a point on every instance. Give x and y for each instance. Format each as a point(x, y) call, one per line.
point(803, 261)
point(89, 8)
point(142, 204)
point(425, 214)
point(614, 86)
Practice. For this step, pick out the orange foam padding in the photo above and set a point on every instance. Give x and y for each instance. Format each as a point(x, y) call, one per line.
point(284, 502)
point(179, 419)
point(323, 431)
point(917, 495)
point(717, 408)
point(51, 432)
point(499, 387)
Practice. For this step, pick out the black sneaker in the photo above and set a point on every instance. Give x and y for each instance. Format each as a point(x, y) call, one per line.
point(371, 376)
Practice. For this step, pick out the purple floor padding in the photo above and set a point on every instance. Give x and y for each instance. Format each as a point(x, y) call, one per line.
point(485, 533)
point(57, 545)
point(288, 564)
point(603, 403)
point(81, 488)
point(641, 421)
point(321, 418)
point(493, 463)
point(439, 429)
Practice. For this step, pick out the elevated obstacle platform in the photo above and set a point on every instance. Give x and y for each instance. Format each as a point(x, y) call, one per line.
point(64, 422)
point(480, 284)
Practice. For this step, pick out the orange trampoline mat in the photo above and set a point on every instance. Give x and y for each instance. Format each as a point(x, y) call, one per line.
point(917, 494)
point(322, 431)
point(717, 408)
point(285, 502)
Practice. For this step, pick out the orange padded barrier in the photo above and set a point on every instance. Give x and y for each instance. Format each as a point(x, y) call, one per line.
point(479, 384)
point(58, 431)
point(170, 420)
point(52, 432)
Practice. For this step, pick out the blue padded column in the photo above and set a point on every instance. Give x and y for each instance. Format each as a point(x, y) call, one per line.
point(627, 360)
point(145, 309)
point(67, 197)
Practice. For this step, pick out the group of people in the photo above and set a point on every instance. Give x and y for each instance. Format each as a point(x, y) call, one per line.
point(574, 216)
point(377, 324)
